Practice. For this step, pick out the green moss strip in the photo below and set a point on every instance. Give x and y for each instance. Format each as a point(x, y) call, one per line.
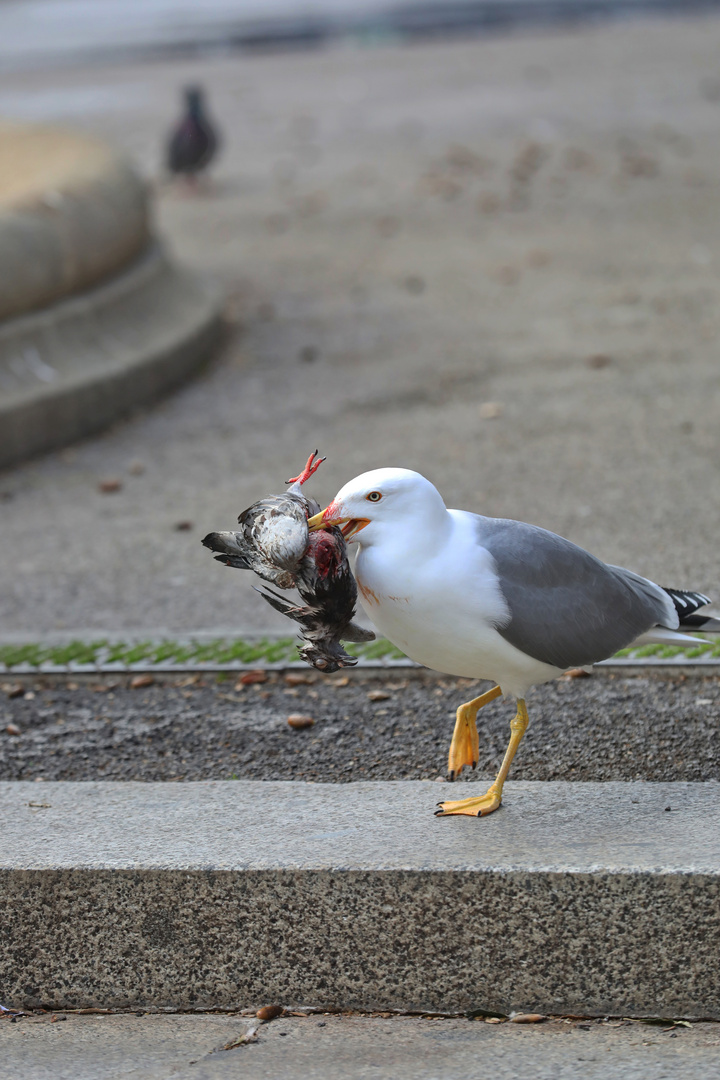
point(180, 653)
point(232, 651)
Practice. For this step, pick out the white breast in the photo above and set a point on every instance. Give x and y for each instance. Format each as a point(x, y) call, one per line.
point(442, 608)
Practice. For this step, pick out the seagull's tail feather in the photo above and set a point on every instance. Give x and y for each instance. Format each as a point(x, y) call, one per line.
point(686, 602)
point(701, 624)
point(661, 635)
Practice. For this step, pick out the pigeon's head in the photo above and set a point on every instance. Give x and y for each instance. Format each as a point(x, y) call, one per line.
point(377, 503)
point(193, 99)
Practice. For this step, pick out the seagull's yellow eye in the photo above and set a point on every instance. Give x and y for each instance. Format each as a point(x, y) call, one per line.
point(374, 496)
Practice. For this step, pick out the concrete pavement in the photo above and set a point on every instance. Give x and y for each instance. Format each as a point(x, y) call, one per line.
point(327, 1047)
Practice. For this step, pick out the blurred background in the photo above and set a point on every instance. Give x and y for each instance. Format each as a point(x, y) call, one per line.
point(477, 239)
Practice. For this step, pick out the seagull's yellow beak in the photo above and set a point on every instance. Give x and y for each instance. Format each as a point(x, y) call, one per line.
point(317, 522)
point(332, 515)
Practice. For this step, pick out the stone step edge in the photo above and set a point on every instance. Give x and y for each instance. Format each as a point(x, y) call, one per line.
point(576, 898)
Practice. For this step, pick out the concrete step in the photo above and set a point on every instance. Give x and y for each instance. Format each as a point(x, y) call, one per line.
point(574, 898)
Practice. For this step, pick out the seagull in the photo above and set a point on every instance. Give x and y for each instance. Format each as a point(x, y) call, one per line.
point(488, 598)
point(194, 142)
point(274, 541)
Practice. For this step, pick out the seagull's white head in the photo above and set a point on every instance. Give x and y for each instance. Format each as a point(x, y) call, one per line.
point(381, 500)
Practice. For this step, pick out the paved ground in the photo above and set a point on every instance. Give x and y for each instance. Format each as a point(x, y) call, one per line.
point(495, 261)
point(608, 727)
point(320, 1046)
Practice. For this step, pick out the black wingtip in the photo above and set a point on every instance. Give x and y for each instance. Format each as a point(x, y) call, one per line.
point(687, 602)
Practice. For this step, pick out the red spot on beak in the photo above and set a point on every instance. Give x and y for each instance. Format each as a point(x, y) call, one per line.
point(331, 511)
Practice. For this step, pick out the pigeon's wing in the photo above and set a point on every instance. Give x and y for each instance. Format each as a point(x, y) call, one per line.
point(303, 615)
point(353, 632)
point(276, 527)
point(230, 547)
point(234, 550)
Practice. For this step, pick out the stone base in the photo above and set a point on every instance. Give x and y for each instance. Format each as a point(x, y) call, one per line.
point(72, 368)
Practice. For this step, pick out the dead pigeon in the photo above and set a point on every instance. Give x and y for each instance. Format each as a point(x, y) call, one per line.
point(274, 541)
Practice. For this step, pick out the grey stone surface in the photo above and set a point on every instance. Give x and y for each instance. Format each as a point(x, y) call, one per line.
point(327, 1047)
point(73, 212)
point(69, 370)
point(574, 898)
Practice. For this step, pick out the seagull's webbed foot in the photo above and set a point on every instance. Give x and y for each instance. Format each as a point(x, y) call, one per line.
point(481, 805)
point(478, 806)
point(465, 746)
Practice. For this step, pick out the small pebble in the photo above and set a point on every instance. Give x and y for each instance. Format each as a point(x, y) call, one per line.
point(488, 203)
point(110, 486)
point(277, 223)
point(414, 284)
point(537, 258)
point(490, 410)
point(388, 225)
point(251, 677)
point(297, 678)
point(527, 1018)
point(13, 729)
point(507, 275)
point(139, 681)
point(379, 695)
point(183, 526)
point(269, 1012)
point(30, 696)
point(14, 690)
point(298, 721)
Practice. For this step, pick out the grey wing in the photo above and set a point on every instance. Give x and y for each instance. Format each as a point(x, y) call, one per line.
point(566, 607)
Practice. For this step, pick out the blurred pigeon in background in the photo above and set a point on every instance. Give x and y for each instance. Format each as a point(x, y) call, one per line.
point(274, 541)
point(194, 142)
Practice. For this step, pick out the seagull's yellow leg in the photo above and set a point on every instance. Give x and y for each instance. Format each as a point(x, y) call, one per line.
point(485, 804)
point(465, 747)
